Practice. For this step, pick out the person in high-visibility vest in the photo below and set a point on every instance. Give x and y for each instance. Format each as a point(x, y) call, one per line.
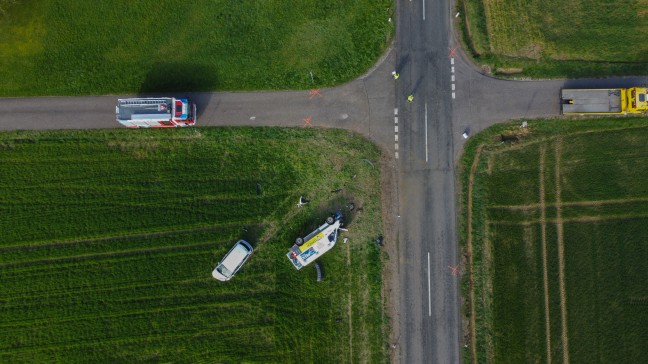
point(395, 75)
point(410, 98)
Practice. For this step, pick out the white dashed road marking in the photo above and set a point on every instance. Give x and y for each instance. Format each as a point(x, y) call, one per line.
point(396, 133)
point(452, 78)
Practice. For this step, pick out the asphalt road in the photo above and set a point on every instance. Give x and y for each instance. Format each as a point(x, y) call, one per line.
point(423, 137)
point(429, 306)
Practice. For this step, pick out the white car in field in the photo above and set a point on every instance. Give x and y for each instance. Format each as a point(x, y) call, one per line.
point(233, 261)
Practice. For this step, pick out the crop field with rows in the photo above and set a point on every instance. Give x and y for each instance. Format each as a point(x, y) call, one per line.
point(556, 243)
point(108, 240)
point(553, 38)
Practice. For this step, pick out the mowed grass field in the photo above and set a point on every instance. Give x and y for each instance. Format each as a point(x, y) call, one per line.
point(108, 240)
point(76, 47)
point(555, 246)
point(558, 38)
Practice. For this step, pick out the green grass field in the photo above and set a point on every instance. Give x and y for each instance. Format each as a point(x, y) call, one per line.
point(559, 232)
point(109, 238)
point(79, 47)
point(558, 38)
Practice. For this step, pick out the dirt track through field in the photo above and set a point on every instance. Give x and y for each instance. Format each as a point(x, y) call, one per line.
point(561, 258)
point(471, 179)
point(572, 203)
point(543, 234)
point(350, 305)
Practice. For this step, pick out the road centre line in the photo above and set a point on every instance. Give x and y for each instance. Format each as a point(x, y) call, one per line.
point(452, 60)
point(429, 290)
point(426, 134)
point(453, 95)
point(452, 69)
point(423, 9)
point(396, 133)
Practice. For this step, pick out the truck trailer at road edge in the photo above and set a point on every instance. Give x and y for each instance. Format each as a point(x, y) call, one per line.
point(613, 101)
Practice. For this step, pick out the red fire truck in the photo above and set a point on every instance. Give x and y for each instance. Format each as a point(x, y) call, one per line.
point(158, 112)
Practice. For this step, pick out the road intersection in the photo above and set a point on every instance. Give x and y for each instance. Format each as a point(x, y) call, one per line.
point(423, 138)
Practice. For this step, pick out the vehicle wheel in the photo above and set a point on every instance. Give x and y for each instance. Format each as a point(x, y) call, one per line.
point(299, 241)
point(330, 220)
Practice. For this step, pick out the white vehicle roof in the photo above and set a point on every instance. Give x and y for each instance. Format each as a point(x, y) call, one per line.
point(232, 261)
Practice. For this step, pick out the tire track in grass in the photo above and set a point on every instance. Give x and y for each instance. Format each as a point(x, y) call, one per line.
point(349, 309)
point(543, 234)
point(584, 218)
point(615, 201)
point(561, 257)
point(471, 278)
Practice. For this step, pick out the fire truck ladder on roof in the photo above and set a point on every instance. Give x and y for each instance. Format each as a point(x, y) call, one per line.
point(144, 102)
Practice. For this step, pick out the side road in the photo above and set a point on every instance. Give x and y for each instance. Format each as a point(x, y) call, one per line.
point(362, 105)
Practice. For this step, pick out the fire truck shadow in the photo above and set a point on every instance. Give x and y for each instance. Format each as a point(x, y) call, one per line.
point(180, 80)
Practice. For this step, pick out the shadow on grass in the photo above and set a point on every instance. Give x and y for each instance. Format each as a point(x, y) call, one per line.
point(180, 80)
point(339, 201)
point(252, 233)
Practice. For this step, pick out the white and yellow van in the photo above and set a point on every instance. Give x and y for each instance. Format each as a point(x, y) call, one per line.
point(308, 249)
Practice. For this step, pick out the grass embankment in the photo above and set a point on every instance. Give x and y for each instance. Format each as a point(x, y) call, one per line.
point(559, 231)
point(109, 239)
point(582, 38)
point(80, 47)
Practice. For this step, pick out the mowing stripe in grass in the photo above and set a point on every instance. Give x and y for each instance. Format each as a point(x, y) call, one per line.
point(543, 233)
point(123, 253)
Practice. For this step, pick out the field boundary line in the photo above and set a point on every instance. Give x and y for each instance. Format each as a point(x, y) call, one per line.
point(471, 278)
point(561, 256)
point(543, 234)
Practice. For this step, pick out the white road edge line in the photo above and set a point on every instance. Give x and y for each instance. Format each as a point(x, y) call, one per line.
point(426, 135)
point(396, 111)
point(453, 95)
point(429, 290)
point(423, 9)
point(452, 60)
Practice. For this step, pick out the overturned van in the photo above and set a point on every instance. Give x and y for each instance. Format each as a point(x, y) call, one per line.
point(308, 249)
